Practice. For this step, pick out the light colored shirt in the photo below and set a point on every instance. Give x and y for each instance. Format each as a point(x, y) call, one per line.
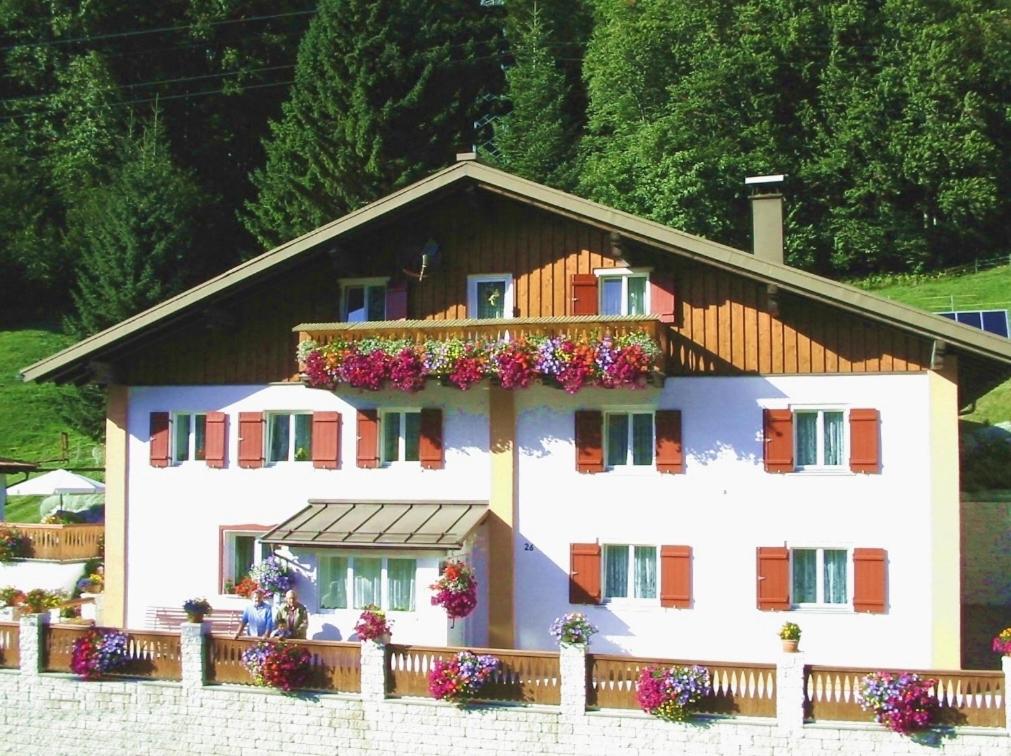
point(259, 619)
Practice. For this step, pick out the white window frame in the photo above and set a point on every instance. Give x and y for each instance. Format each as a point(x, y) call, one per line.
point(508, 304)
point(623, 274)
point(819, 602)
point(258, 549)
point(628, 467)
point(350, 283)
point(268, 440)
point(349, 585)
point(630, 579)
point(402, 438)
point(191, 437)
point(820, 466)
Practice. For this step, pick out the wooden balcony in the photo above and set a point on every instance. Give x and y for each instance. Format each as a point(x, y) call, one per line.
point(61, 543)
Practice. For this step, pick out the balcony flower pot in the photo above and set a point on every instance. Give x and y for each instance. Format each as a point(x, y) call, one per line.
point(790, 646)
point(195, 617)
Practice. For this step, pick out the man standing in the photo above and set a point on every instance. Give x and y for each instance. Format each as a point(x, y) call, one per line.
point(257, 618)
point(292, 618)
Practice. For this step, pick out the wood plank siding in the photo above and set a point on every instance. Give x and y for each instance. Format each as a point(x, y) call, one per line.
point(724, 323)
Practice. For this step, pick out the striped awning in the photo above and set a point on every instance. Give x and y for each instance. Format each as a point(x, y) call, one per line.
point(413, 525)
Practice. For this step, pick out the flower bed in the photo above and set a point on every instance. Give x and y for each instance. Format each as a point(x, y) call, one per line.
point(461, 678)
point(374, 363)
point(903, 703)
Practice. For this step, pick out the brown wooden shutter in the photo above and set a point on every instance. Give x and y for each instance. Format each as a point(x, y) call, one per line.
point(676, 576)
point(865, 454)
point(430, 447)
point(583, 300)
point(584, 573)
point(396, 301)
point(368, 438)
point(661, 296)
point(250, 439)
point(669, 454)
point(216, 439)
point(778, 431)
point(773, 577)
point(160, 435)
point(870, 580)
point(326, 440)
point(589, 441)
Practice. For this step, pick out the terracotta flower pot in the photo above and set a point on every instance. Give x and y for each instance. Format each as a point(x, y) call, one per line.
point(195, 617)
point(790, 645)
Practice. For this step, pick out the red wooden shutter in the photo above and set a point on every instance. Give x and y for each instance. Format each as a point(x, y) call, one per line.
point(778, 429)
point(326, 440)
point(661, 296)
point(584, 573)
point(773, 577)
point(250, 439)
point(396, 301)
point(368, 438)
point(870, 580)
point(589, 441)
point(216, 439)
point(676, 576)
point(669, 455)
point(584, 295)
point(160, 456)
point(430, 447)
point(865, 454)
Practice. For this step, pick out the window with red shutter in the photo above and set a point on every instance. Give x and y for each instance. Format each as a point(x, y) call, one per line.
point(583, 294)
point(773, 574)
point(589, 441)
point(216, 439)
point(584, 573)
point(250, 439)
point(870, 580)
point(676, 576)
point(430, 443)
point(669, 454)
point(778, 438)
point(159, 444)
point(865, 454)
point(662, 300)
point(326, 440)
point(368, 438)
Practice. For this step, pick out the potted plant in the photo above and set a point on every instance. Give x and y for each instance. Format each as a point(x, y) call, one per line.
point(1002, 642)
point(461, 678)
point(572, 629)
point(789, 633)
point(98, 652)
point(373, 626)
point(39, 601)
point(272, 576)
point(671, 693)
point(13, 544)
point(903, 702)
point(455, 590)
point(277, 664)
point(196, 608)
point(10, 599)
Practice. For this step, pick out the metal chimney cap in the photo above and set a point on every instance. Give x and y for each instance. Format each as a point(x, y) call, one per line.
point(775, 179)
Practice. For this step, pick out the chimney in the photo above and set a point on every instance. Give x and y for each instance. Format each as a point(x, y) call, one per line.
point(767, 217)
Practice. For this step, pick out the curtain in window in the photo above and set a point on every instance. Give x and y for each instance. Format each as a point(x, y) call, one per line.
point(200, 435)
point(243, 556)
point(615, 571)
point(833, 437)
point(333, 583)
point(278, 433)
point(636, 295)
point(400, 583)
point(377, 303)
point(645, 571)
point(303, 438)
point(807, 438)
point(491, 299)
point(805, 576)
point(182, 440)
point(642, 439)
point(412, 436)
point(368, 571)
point(835, 576)
point(610, 296)
point(617, 440)
point(391, 436)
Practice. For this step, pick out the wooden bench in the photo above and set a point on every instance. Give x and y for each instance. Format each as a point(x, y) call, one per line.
point(223, 621)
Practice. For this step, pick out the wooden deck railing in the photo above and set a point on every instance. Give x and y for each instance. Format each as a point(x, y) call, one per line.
point(59, 646)
point(526, 676)
point(335, 666)
point(152, 654)
point(745, 689)
point(10, 645)
point(966, 697)
point(61, 543)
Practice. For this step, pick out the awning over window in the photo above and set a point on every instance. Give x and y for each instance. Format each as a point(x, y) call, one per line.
point(418, 525)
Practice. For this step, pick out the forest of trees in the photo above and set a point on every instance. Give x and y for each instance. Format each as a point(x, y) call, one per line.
point(147, 146)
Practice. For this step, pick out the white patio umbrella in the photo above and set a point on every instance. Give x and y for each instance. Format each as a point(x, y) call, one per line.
point(57, 482)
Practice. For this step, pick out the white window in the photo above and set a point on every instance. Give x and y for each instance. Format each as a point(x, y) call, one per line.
point(386, 582)
point(401, 435)
point(242, 551)
point(820, 438)
point(289, 436)
point(363, 299)
point(490, 296)
point(630, 572)
point(189, 433)
point(623, 291)
point(628, 439)
point(819, 576)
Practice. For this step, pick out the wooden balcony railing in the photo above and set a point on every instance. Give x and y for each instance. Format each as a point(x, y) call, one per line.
point(10, 645)
point(335, 666)
point(61, 543)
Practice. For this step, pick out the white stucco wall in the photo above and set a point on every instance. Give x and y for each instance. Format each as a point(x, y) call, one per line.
point(725, 506)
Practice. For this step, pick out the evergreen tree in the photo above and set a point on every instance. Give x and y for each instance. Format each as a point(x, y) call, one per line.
point(383, 94)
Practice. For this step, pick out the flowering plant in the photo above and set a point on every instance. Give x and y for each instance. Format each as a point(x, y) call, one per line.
point(670, 693)
point(39, 600)
point(60, 517)
point(13, 544)
point(462, 677)
point(245, 587)
point(902, 703)
point(1002, 642)
point(455, 590)
point(98, 652)
point(196, 606)
point(271, 575)
point(789, 631)
point(372, 624)
point(572, 629)
point(277, 664)
point(11, 596)
point(93, 583)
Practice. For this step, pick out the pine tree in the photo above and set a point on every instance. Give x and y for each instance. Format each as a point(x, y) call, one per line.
point(383, 94)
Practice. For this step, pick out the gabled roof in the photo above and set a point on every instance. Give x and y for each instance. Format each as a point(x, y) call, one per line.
point(471, 172)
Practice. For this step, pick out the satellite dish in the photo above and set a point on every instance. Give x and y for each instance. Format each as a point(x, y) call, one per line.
point(427, 259)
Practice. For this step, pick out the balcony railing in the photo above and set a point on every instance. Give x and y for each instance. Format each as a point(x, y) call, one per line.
point(61, 543)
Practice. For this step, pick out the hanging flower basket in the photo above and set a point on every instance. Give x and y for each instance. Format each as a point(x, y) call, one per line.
point(455, 590)
point(463, 677)
point(903, 702)
point(98, 652)
point(271, 575)
point(372, 625)
point(671, 693)
point(277, 664)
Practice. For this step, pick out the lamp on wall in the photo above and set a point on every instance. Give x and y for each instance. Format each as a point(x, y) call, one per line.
point(426, 259)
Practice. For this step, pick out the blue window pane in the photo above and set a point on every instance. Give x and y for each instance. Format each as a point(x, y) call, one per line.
point(610, 296)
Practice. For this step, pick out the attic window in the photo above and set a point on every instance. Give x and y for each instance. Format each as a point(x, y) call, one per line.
point(363, 299)
point(490, 296)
